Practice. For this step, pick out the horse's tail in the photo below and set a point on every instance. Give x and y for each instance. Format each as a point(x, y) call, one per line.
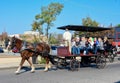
point(51, 58)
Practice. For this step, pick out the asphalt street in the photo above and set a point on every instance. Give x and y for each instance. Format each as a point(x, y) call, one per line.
point(110, 74)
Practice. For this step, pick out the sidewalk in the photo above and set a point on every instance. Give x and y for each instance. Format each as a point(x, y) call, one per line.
point(10, 60)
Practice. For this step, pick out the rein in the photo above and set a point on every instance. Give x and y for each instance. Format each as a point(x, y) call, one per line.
point(19, 46)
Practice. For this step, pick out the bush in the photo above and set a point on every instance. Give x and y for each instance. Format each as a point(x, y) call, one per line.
point(41, 60)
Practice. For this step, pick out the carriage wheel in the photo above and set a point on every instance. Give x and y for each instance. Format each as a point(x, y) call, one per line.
point(74, 65)
point(115, 52)
point(101, 61)
point(111, 57)
point(60, 63)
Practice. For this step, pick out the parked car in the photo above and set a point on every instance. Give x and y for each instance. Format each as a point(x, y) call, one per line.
point(1, 50)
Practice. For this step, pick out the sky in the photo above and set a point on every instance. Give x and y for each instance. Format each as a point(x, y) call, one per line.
point(16, 16)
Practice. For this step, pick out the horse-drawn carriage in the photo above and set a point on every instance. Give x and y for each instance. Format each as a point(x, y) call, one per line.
point(63, 58)
point(66, 59)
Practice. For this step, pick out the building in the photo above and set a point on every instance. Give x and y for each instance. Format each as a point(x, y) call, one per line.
point(16, 35)
point(31, 33)
point(116, 36)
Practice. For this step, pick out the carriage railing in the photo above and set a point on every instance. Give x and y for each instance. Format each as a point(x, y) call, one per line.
point(64, 51)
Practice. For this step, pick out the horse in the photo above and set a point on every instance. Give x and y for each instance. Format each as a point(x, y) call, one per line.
point(42, 49)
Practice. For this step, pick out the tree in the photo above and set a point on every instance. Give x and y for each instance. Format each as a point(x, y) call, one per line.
point(89, 22)
point(37, 26)
point(118, 25)
point(53, 39)
point(48, 15)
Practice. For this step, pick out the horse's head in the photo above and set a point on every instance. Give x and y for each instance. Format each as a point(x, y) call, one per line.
point(16, 44)
point(13, 42)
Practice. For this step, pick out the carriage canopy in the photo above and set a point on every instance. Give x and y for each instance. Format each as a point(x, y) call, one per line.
point(83, 28)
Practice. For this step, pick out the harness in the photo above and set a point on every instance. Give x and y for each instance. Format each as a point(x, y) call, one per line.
point(33, 49)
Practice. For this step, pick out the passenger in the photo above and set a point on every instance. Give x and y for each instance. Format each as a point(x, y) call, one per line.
point(83, 45)
point(99, 46)
point(95, 42)
point(75, 47)
point(77, 43)
point(90, 45)
point(95, 45)
point(106, 44)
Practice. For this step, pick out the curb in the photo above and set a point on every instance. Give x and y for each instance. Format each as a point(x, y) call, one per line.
point(5, 68)
point(15, 67)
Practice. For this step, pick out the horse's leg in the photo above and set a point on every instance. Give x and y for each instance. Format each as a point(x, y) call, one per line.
point(46, 65)
point(49, 65)
point(32, 66)
point(21, 64)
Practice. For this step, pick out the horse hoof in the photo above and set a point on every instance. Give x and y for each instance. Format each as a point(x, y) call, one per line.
point(17, 72)
point(32, 71)
point(46, 70)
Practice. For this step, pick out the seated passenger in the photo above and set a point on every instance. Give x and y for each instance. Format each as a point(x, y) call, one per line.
point(106, 44)
point(95, 42)
point(90, 45)
point(99, 46)
point(75, 46)
point(95, 45)
point(83, 45)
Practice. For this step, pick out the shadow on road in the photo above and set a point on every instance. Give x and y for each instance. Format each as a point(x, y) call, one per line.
point(117, 82)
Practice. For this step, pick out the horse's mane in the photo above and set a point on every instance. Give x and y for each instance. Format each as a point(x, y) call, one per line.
point(43, 47)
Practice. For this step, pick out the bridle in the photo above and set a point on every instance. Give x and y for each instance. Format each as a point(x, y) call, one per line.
point(13, 41)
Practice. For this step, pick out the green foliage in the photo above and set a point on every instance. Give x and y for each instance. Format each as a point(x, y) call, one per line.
point(118, 25)
point(50, 12)
point(23, 37)
point(53, 39)
point(48, 15)
point(42, 61)
point(89, 22)
point(37, 26)
point(36, 40)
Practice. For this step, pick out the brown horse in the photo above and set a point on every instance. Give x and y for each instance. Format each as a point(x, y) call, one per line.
point(42, 49)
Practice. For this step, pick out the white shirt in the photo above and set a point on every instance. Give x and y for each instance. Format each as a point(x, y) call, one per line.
point(73, 43)
point(67, 36)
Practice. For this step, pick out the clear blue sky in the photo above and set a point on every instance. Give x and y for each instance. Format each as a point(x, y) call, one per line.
point(16, 16)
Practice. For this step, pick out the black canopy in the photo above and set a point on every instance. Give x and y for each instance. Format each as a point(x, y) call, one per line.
point(83, 28)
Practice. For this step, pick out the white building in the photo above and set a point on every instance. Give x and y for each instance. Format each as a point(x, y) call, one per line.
point(16, 35)
point(31, 33)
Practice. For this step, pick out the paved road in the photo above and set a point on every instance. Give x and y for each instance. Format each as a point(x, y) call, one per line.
point(10, 54)
point(111, 74)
